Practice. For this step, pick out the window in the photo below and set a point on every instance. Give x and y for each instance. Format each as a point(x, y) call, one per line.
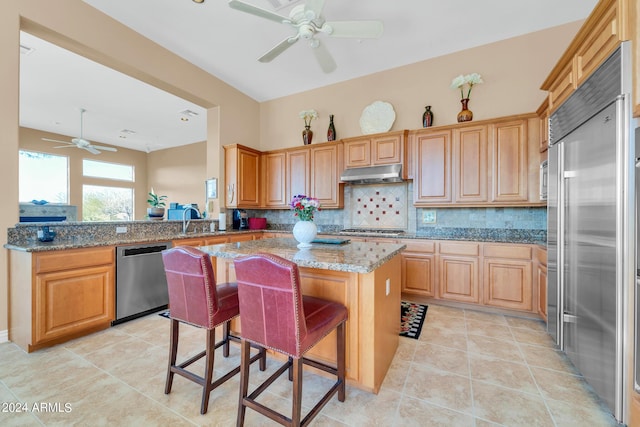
point(107, 203)
point(43, 176)
point(106, 170)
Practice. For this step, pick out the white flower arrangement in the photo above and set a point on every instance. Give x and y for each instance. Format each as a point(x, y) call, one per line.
point(470, 79)
point(308, 115)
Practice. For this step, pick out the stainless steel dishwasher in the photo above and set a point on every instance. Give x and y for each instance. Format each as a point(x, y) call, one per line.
point(141, 284)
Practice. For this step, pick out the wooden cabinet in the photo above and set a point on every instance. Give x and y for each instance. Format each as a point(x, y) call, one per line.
point(379, 149)
point(432, 176)
point(458, 271)
point(507, 276)
point(419, 268)
point(543, 115)
point(509, 159)
point(489, 163)
point(60, 295)
point(298, 173)
point(541, 278)
point(326, 165)
point(242, 175)
point(599, 36)
point(274, 179)
point(470, 169)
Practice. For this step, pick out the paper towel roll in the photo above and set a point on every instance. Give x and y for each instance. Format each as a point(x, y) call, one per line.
point(222, 221)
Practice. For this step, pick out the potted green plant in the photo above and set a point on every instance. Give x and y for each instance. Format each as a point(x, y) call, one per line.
point(156, 211)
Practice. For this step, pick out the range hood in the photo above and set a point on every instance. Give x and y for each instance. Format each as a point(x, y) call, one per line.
point(373, 174)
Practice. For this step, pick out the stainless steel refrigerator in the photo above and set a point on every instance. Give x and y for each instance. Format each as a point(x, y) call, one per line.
point(591, 243)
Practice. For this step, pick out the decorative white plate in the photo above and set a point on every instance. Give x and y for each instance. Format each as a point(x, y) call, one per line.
point(377, 117)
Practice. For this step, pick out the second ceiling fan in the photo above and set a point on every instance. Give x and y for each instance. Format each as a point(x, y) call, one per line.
point(80, 142)
point(307, 20)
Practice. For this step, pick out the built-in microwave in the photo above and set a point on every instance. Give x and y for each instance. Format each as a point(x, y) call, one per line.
point(544, 167)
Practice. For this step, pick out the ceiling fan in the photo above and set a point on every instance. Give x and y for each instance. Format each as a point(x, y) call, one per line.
point(307, 20)
point(81, 142)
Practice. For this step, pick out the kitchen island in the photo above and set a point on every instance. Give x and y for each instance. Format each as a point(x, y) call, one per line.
point(365, 277)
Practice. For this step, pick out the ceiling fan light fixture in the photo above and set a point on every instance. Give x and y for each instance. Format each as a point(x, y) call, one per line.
point(198, 1)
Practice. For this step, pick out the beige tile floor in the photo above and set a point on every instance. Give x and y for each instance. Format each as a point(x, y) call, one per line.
point(467, 369)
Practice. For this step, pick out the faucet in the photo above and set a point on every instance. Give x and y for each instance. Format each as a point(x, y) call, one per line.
point(185, 221)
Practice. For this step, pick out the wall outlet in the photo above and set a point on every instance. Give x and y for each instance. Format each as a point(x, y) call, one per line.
point(120, 230)
point(428, 217)
point(388, 289)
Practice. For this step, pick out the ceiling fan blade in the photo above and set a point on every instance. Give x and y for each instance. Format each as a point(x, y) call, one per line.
point(278, 49)
point(103, 148)
point(91, 149)
point(263, 13)
point(323, 56)
point(355, 29)
point(66, 146)
point(57, 140)
point(315, 6)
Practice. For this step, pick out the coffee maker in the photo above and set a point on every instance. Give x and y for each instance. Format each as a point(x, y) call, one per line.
point(240, 219)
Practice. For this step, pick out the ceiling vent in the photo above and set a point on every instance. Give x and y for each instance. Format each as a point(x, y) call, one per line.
point(25, 50)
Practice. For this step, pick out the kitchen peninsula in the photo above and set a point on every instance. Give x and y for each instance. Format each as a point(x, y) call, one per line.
point(365, 277)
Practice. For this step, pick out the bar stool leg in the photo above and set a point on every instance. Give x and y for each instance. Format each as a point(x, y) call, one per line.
point(245, 353)
point(208, 371)
point(173, 354)
point(296, 412)
point(341, 344)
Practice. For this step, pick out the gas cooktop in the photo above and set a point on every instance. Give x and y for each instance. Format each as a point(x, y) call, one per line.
point(373, 231)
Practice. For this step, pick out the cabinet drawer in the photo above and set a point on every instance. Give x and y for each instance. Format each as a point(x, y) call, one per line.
point(73, 258)
point(419, 245)
point(507, 251)
point(459, 248)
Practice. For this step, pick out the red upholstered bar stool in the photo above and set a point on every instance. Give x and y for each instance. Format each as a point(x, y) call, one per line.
point(195, 299)
point(274, 314)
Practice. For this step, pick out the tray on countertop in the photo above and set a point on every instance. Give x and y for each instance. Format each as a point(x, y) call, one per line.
point(331, 241)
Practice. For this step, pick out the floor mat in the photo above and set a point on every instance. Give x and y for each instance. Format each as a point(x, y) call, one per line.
point(411, 319)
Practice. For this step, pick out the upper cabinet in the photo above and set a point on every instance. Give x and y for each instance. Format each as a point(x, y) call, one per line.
point(313, 170)
point(326, 164)
point(601, 34)
point(379, 149)
point(487, 163)
point(242, 172)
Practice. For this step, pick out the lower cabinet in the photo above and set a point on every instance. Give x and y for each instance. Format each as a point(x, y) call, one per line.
point(501, 275)
point(458, 271)
point(541, 278)
point(419, 268)
point(60, 295)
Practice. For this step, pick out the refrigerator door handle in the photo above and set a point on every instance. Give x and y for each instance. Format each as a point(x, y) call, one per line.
point(569, 318)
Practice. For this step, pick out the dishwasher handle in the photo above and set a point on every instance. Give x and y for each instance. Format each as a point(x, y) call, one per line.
point(143, 250)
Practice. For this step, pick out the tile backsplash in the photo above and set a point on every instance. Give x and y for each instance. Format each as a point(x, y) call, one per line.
point(378, 206)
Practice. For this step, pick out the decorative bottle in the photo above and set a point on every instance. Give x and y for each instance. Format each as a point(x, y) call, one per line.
point(427, 117)
point(331, 132)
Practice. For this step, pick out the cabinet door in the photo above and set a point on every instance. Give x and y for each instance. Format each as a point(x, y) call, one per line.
point(459, 279)
point(432, 183)
point(274, 180)
point(386, 150)
point(298, 173)
point(509, 161)
point(72, 301)
point(326, 165)
point(248, 179)
point(470, 154)
point(357, 153)
point(507, 284)
point(562, 86)
point(418, 274)
point(542, 291)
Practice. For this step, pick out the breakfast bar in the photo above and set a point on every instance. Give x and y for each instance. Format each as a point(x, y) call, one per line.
point(364, 276)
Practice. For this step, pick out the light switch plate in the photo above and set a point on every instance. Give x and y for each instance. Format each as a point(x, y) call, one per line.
point(428, 217)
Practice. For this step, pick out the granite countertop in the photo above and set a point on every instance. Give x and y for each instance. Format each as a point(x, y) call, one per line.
point(352, 257)
point(76, 240)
